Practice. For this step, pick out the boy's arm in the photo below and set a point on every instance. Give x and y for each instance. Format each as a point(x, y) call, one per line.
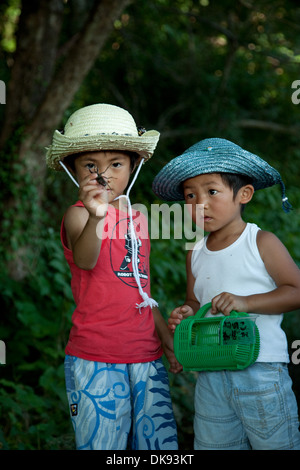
point(285, 273)
point(81, 230)
point(166, 339)
point(84, 224)
point(190, 298)
point(191, 305)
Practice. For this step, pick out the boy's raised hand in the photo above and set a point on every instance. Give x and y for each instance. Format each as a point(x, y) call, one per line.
point(178, 314)
point(94, 196)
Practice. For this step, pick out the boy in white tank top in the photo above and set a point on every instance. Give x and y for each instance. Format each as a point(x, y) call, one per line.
point(237, 267)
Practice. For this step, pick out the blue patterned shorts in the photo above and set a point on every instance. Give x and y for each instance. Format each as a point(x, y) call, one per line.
point(120, 406)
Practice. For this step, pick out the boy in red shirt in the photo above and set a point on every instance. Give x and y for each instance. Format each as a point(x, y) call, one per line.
point(117, 385)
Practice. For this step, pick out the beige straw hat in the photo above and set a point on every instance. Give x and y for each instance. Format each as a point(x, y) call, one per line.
point(100, 127)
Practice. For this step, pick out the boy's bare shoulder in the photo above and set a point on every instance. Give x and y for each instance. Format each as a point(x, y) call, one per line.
point(269, 244)
point(264, 237)
point(75, 219)
point(75, 213)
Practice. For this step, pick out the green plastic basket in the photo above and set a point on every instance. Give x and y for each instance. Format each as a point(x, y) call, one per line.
point(217, 343)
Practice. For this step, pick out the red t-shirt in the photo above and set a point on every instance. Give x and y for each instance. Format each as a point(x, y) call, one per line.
point(106, 325)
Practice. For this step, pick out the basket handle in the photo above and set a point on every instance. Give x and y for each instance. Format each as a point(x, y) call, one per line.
point(203, 310)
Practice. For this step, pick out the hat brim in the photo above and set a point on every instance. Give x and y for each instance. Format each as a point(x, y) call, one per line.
point(167, 185)
point(62, 146)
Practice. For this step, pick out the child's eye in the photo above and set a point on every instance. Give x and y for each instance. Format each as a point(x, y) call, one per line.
point(212, 192)
point(189, 196)
point(116, 164)
point(90, 166)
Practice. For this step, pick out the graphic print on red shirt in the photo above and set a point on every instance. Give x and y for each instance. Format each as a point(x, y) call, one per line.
point(107, 296)
point(121, 263)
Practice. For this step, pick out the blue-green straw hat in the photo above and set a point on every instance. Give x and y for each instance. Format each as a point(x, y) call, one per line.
point(215, 156)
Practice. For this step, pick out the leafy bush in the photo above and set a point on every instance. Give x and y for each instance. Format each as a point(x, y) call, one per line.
point(35, 322)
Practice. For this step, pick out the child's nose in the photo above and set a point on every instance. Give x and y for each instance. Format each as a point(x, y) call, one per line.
point(202, 200)
point(103, 170)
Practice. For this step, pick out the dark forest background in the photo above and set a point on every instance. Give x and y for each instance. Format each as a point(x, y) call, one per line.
point(190, 69)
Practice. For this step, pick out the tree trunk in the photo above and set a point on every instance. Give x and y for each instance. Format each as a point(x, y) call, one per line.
point(73, 70)
point(41, 88)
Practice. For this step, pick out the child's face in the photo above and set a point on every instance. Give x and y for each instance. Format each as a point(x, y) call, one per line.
point(218, 206)
point(113, 166)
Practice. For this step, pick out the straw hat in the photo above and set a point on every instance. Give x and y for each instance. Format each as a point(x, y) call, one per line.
point(100, 127)
point(215, 156)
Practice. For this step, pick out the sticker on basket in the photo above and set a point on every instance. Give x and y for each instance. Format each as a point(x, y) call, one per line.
point(238, 330)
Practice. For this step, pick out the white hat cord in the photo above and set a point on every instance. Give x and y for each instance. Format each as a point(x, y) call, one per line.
point(147, 301)
point(69, 173)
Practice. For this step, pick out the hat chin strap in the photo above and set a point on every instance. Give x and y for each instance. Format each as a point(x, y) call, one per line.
point(147, 301)
point(69, 173)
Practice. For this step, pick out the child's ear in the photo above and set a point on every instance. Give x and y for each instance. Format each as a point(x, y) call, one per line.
point(246, 193)
point(134, 165)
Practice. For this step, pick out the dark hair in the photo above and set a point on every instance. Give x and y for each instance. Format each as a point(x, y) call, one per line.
point(133, 158)
point(69, 160)
point(236, 182)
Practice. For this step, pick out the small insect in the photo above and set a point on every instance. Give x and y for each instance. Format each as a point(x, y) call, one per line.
point(100, 179)
point(141, 130)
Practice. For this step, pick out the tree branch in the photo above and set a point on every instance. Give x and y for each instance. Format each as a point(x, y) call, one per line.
point(33, 63)
point(269, 126)
point(243, 123)
point(75, 66)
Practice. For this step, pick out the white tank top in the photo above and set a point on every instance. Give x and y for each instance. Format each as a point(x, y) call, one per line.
point(239, 269)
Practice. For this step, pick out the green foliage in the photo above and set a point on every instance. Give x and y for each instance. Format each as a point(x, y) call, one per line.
point(34, 326)
point(191, 69)
point(9, 16)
